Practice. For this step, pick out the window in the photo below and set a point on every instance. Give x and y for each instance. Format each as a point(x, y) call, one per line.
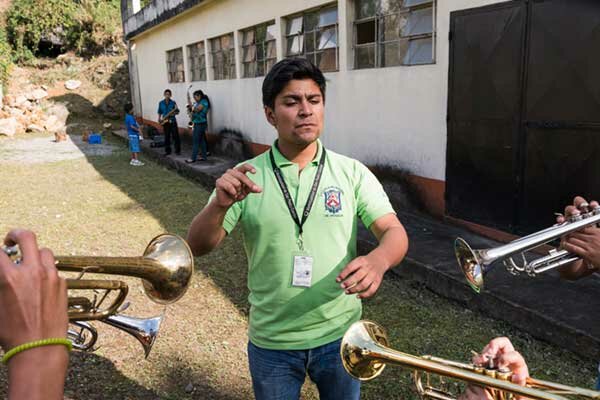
point(197, 61)
point(393, 32)
point(259, 53)
point(314, 35)
point(223, 57)
point(175, 65)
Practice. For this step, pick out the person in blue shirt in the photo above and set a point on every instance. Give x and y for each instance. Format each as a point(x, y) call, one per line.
point(199, 108)
point(169, 107)
point(133, 133)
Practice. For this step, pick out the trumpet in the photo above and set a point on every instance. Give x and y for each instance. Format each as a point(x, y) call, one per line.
point(165, 268)
point(475, 264)
point(365, 352)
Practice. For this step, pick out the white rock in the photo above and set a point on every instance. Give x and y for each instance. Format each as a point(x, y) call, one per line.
point(53, 124)
point(107, 125)
point(72, 84)
point(39, 94)
point(35, 128)
point(8, 126)
point(20, 100)
point(16, 112)
point(59, 110)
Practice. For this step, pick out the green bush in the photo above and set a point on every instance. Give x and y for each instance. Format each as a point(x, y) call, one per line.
point(28, 21)
point(98, 26)
point(85, 26)
point(5, 57)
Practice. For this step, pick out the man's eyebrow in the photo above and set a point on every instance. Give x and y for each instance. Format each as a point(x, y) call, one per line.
point(299, 96)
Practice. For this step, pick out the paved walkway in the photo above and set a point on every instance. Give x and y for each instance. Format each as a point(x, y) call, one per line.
point(563, 313)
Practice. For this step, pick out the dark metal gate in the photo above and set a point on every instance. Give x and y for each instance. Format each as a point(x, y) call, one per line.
point(523, 111)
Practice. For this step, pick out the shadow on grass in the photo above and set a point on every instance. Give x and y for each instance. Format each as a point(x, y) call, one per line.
point(95, 377)
point(169, 198)
point(173, 201)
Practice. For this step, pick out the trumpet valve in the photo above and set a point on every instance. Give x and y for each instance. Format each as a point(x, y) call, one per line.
point(576, 216)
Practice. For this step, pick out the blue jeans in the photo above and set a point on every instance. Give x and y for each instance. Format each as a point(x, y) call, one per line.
point(598, 382)
point(199, 141)
point(280, 374)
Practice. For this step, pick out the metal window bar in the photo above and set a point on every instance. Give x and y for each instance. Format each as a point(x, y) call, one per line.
point(312, 35)
point(174, 61)
point(257, 60)
point(379, 43)
point(224, 69)
point(366, 45)
point(196, 60)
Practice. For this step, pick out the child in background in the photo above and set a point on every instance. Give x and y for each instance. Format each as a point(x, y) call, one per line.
point(133, 131)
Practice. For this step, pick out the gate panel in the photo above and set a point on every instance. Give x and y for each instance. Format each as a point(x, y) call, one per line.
point(483, 113)
point(562, 113)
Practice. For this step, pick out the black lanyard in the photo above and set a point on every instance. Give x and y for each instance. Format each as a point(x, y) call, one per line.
point(288, 198)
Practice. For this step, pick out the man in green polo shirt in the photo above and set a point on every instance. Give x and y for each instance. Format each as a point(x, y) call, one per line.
point(298, 209)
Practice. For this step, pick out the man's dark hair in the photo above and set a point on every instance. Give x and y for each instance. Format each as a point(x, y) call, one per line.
point(168, 91)
point(286, 70)
point(128, 107)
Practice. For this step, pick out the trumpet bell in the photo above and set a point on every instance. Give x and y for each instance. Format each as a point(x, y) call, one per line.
point(145, 330)
point(361, 339)
point(364, 353)
point(175, 257)
point(469, 264)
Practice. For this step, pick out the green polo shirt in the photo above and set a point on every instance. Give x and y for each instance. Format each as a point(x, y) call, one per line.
point(282, 316)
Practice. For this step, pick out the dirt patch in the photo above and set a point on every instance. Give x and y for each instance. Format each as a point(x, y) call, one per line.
point(45, 149)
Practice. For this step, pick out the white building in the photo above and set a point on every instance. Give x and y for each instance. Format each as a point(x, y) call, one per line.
point(388, 67)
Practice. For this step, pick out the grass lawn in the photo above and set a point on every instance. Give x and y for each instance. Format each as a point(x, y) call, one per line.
point(102, 206)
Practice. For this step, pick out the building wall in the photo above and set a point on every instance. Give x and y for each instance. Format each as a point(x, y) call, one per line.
point(394, 116)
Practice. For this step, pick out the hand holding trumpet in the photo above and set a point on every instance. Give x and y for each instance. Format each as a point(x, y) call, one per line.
point(33, 299)
point(499, 353)
point(584, 243)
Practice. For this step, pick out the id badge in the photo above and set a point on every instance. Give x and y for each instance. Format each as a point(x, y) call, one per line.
point(302, 269)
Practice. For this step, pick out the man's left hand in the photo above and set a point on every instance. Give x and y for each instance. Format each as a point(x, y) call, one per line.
point(363, 275)
point(585, 242)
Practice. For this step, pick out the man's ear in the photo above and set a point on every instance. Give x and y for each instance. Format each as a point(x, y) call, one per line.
point(270, 115)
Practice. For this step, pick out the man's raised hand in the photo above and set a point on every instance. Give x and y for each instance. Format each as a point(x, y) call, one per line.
point(234, 185)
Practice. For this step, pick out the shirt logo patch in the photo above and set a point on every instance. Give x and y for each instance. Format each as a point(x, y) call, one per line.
point(333, 200)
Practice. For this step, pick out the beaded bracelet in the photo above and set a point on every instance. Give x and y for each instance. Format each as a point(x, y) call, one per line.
point(38, 343)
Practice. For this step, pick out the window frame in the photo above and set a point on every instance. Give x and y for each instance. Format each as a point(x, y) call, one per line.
point(201, 59)
point(313, 55)
point(379, 42)
point(172, 75)
point(265, 60)
point(231, 66)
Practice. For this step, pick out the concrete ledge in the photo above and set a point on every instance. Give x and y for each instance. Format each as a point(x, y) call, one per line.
point(205, 172)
